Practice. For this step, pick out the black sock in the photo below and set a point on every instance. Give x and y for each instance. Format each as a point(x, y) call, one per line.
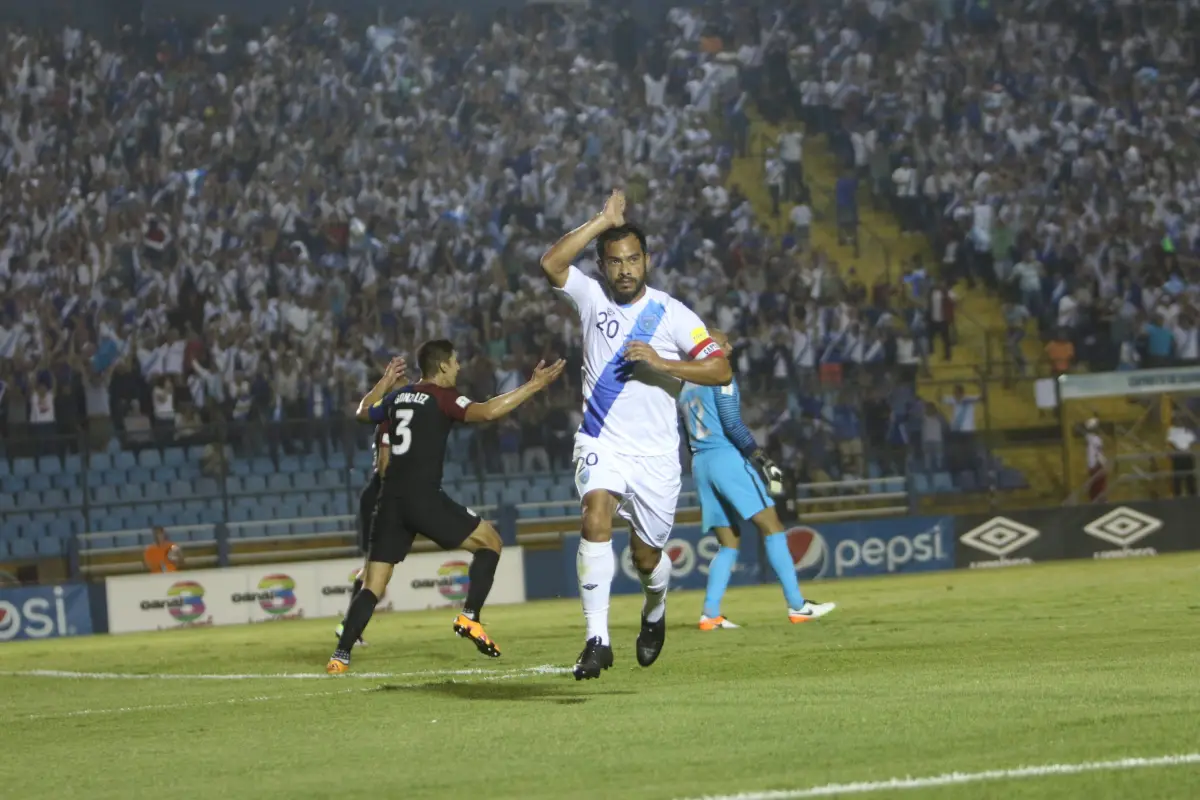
point(481, 574)
point(357, 617)
point(356, 589)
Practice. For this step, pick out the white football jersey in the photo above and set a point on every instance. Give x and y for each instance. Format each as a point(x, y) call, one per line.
point(629, 409)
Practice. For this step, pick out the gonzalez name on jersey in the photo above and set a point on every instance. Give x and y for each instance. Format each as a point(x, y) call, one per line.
point(630, 408)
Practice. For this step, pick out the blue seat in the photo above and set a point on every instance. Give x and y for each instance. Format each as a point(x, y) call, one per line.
point(233, 484)
point(180, 489)
point(8, 501)
point(24, 466)
point(112, 477)
point(190, 516)
point(254, 483)
point(241, 513)
point(163, 474)
point(510, 496)
point(128, 539)
point(173, 456)
point(124, 460)
point(60, 528)
point(258, 531)
point(330, 479)
point(942, 482)
point(302, 528)
point(279, 483)
point(289, 463)
point(313, 462)
point(100, 462)
point(212, 515)
point(562, 492)
point(1010, 478)
point(4, 468)
point(206, 487)
point(130, 492)
point(289, 509)
point(28, 500)
point(51, 546)
point(22, 548)
point(65, 480)
point(37, 482)
point(150, 458)
point(306, 480)
point(920, 483)
point(263, 466)
point(537, 494)
point(12, 484)
point(966, 481)
point(49, 465)
point(54, 498)
point(339, 503)
point(155, 490)
point(140, 518)
point(240, 468)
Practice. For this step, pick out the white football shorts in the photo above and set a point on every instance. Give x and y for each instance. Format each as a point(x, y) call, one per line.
point(647, 487)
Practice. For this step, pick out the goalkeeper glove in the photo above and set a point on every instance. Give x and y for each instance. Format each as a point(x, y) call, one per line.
point(770, 471)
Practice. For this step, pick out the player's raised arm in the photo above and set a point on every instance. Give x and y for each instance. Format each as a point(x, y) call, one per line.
point(556, 262)
point(370, 408)
point(505, 404)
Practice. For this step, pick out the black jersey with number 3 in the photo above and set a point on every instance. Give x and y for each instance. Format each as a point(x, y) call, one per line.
point(419, 418)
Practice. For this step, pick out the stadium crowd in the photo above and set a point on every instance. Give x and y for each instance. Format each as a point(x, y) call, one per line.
point(234, 225)
point(1048, 149)
point(227, 224)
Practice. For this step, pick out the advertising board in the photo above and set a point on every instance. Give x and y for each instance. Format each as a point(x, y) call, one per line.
point(44, 612)
point(872, 547)
point(278, 592)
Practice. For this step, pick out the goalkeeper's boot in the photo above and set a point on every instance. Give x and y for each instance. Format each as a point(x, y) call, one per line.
point(468, 628)
point(594, 658)
point(809, 611)
point(715, 623)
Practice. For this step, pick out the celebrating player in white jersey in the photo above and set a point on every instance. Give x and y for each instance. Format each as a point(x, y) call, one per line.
point(639, 345)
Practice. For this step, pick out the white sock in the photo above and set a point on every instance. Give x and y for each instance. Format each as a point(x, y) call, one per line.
point(655, 587)
point(596, 567)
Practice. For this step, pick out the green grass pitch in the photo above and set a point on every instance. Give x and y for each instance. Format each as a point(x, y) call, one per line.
point(911, 676)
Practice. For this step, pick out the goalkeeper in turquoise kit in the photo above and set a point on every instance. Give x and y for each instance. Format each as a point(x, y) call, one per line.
point(726, 466)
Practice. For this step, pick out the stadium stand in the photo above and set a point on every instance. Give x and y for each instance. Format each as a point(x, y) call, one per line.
point(216, 234)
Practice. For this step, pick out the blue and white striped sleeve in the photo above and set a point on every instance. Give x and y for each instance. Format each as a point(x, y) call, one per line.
point(730, 412)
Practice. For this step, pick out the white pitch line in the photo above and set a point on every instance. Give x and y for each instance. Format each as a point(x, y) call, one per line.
point(454, 676)
point(544, 669)
point(956, 778)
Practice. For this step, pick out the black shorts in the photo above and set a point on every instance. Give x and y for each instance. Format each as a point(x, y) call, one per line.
point(366, 510)
point(400, 517)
